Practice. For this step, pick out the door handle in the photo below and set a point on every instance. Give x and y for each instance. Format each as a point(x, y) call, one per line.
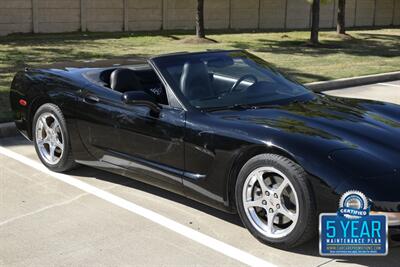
point(91, 99)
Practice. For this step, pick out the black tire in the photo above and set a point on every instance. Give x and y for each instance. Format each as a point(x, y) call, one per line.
point(306, 226)
point(66, 161)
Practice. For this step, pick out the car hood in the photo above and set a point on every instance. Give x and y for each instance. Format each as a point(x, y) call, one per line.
point(330, 122)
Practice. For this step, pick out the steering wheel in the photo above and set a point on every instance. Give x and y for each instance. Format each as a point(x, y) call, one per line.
point(241, 79)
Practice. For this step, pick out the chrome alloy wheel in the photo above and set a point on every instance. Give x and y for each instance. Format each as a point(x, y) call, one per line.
point(49, 138)
point(270, 202)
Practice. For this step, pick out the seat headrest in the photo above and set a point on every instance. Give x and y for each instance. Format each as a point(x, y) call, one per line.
point(195, 80)
point(123, 80)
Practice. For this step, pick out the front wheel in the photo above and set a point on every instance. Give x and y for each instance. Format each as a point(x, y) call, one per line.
point(275, 201)
point(51, 138)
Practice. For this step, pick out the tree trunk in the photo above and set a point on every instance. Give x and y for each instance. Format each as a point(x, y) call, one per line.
point(341, 26)
point(200, 33)
point(315, 21)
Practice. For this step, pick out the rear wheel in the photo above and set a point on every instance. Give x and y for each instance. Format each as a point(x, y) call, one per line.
point(51, 138)
point(275, 201)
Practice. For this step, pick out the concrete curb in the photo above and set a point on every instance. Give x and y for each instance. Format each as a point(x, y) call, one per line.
point(8, 129)
point(355, 81)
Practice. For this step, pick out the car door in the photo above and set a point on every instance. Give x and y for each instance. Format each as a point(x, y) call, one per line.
point(146, 146)
point(95, 117)
point(150, 144)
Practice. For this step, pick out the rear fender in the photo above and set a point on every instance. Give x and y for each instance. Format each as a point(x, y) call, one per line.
point(22, 88)
point(39, 87)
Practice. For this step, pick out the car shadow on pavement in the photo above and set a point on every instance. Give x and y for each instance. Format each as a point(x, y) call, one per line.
point(85, 173)
point(308, 249)
point(127, 182)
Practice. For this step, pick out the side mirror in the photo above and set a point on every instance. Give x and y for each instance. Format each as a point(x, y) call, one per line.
point(141, 98)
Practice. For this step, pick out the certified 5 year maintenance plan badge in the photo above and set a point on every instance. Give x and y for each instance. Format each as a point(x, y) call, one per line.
point(352, 231)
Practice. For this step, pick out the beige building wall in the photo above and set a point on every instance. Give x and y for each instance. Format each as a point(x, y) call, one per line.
point(396, 12)
point(104, 15)
point(179, 14)
point(144, 15)
point(350, 15)
point(244, 14)
point(147, 15)
point(327, 15)
point(384, 12)
point(58, 15)
point(15, 16)
point(273, 14)
point(216, 14)
point(298, 14)
point(365, 12)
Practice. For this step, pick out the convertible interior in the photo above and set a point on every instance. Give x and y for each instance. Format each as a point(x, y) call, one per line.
point(197, 80)
point(131, 78)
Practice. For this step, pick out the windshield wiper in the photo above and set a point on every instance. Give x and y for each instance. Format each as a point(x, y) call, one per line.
point(231, 107)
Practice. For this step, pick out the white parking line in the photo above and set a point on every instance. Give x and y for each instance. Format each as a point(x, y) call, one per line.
point(188, 232)
point(389, 84)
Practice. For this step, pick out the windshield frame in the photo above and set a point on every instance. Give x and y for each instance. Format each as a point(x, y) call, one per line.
point(159, 60)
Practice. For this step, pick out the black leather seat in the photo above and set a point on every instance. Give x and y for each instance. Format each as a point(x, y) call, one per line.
point(123, 80)
point(195, 82)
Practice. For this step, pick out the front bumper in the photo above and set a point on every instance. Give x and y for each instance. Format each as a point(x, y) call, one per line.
point(394, 226)
point(393, 217)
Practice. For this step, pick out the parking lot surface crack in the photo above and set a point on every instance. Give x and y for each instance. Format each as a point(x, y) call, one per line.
point(325, 263)
point(43, 209)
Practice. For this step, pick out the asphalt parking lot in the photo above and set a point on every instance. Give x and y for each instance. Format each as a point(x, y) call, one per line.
point(90, 217)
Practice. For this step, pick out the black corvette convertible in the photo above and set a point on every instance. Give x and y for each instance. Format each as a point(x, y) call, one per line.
point(222, 127)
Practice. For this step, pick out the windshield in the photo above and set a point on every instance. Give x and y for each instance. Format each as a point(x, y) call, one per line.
point(227, 79)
